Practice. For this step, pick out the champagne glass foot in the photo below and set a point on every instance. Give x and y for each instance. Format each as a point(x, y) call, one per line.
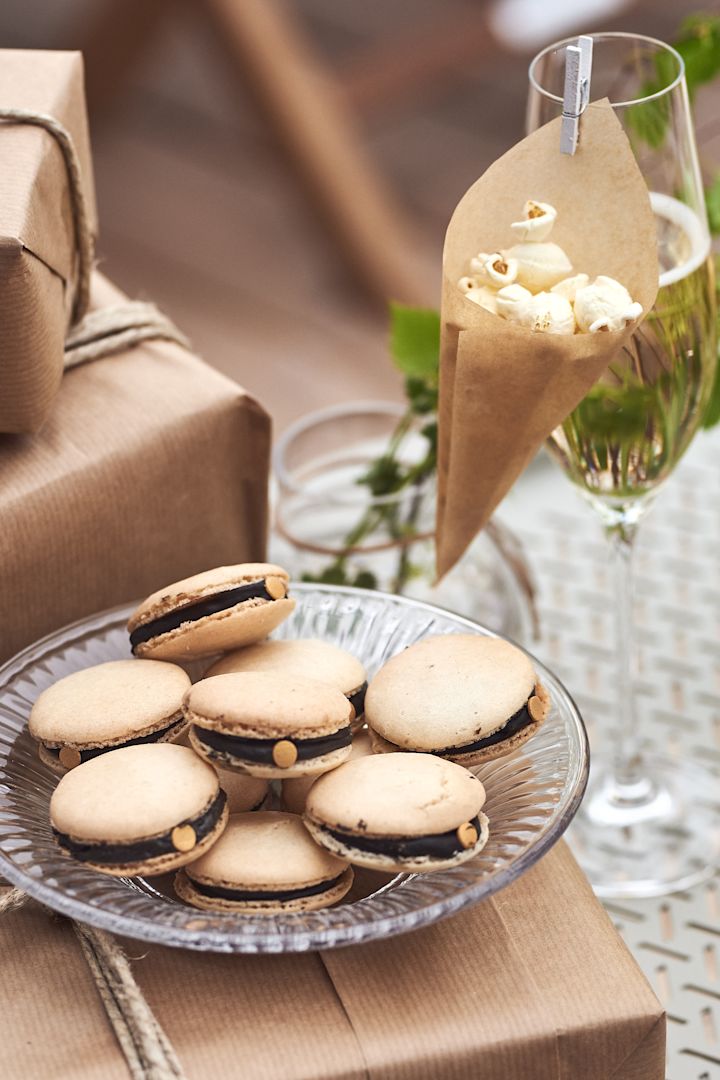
point(657, 835)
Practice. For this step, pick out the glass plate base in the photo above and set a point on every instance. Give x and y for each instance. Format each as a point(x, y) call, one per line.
point(664, 840)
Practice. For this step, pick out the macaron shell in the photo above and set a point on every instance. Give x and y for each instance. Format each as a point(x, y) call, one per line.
point(309, 657)
point(163, 864)
point(448, 691)
point(244, 792)
point(184, 888)
point(109, 702)
point(396, 795)
point(243, 624)
point(132, 793)
point(374, 861)
point(489, 753)
point(190, 589)
point(266, 850)
point(267, 705)
point(313, 767)
point(295, 791)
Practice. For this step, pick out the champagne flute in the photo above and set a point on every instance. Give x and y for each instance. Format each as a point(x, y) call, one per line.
point(646, 826)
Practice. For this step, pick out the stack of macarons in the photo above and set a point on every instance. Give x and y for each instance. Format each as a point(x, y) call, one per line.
point(161, 774)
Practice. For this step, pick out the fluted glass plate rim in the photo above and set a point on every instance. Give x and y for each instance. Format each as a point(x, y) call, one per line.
point(324, 934)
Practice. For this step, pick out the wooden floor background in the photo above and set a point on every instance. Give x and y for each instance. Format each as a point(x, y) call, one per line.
point(200, 212)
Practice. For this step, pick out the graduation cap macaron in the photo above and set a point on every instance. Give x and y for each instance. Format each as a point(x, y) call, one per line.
point(399, 812)
point(464, 697)
point(211, 612)
point(264, 864)
point(269, 724)
point(139, 810)
point(101, 708)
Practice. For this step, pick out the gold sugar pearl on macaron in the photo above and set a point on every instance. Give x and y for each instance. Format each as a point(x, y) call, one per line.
point(276, 587)
point(284, 754)
point(536, 708)
point(467, 834)
point(183, 838)
point(69, 757)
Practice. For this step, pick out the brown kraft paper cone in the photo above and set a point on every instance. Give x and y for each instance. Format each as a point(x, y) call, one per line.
point(503, 387)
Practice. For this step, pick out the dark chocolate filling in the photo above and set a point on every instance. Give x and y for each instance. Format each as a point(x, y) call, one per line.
point(95, 751)
point(140, 850)
point(436, 846)
point(260, 751)
point(220, 893)
point(209, 605)
point(517, 722)
point(357, 700)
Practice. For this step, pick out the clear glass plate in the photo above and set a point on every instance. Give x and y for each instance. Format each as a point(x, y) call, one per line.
point(532, 796)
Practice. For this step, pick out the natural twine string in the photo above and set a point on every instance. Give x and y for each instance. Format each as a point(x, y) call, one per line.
point(93, 335)
point(148, 1051)
point(83, 236)
point(114, 329)
point(110, 330)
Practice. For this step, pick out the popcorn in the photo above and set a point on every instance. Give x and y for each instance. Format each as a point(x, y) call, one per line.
point(605, 305)
point(530, 284)
point(546, 313)
point(569, 286)
point(485, 297)
point(509, 299)
point(539, 265)
point(538, 223)
point(494, 269)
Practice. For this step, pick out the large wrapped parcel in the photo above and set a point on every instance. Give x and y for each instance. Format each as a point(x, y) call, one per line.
point(505, 387)
point(152, 466)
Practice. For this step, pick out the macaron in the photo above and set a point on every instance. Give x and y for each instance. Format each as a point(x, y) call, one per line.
point(464, 697)
point(244, 793)
point(399, 812)
point(311, 657)
point(264, 864)
point(268, 724)
point(101, 708)
point(139, 810)
point(295, 791)
point(211, 612)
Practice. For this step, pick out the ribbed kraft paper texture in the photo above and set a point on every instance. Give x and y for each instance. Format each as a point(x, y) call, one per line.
point(534, 983)
point(504, 388)
point(152, 467)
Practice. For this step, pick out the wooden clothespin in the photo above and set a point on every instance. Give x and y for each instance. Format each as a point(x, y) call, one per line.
point(578, 70)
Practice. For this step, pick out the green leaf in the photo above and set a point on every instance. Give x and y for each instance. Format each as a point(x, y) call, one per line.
point(365, 580)
point(699, 46)
point(331, 575)
point(422, 397)
point(712, 201)
point(384, 476)
point(415, 340)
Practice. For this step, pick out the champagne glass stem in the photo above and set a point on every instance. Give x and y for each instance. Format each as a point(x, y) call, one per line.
point(627, 762)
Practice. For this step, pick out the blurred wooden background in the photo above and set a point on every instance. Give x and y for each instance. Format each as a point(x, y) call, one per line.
point(202, 211)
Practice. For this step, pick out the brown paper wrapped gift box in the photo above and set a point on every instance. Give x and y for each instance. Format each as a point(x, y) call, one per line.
point(531, 985)
point(152, 466)
point(38, 258)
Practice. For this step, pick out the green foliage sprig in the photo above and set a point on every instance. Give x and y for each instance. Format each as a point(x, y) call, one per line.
point(415, 348)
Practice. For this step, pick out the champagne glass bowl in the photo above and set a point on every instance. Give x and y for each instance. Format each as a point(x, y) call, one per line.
point(648, 823)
